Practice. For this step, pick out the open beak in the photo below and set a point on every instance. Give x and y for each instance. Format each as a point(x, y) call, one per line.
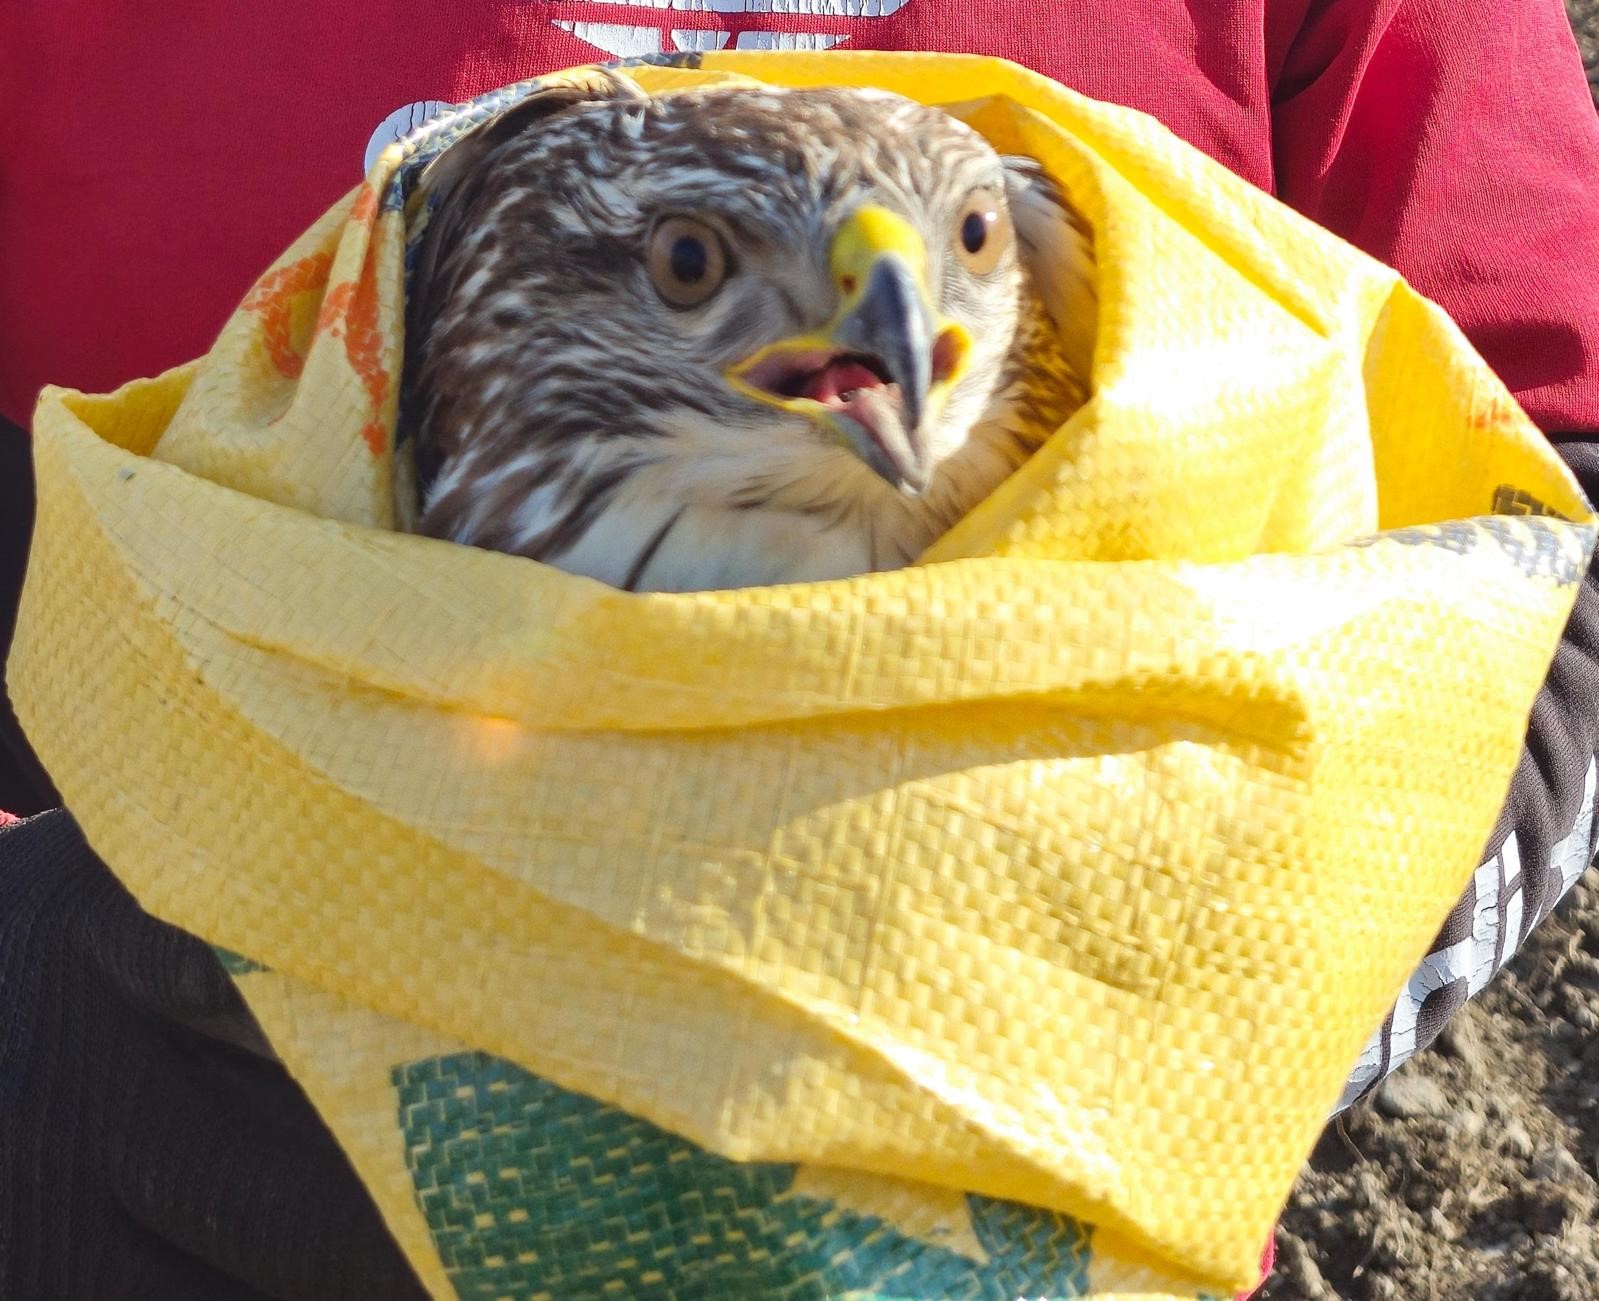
point(878, 372)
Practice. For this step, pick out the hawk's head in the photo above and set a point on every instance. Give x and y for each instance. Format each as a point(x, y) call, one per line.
point(716, 337)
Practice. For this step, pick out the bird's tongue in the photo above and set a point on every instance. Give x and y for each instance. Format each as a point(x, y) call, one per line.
point(838, 380)
point(855, 389)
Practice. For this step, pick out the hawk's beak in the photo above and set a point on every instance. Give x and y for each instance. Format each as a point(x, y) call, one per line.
point(879, 372)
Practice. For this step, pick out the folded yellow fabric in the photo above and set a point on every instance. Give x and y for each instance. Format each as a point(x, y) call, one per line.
point(866, 937)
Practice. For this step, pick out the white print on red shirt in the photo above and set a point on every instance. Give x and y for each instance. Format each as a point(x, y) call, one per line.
point(671, 25)
point(625, 28)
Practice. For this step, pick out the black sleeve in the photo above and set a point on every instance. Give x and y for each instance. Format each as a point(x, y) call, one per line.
point(24, 788)
point(150, 1145)
point(1544, 840)
point(1563, 733)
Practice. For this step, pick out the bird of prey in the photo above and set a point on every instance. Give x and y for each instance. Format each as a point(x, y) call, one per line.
point(733, 337)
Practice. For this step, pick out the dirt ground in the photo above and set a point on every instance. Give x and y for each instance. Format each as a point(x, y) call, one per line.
point(1474, 1172)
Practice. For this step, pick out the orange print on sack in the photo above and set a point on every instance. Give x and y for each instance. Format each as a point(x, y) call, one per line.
point(273, 298)
point(350, 312)
point(1494, 410)
point(365, 207)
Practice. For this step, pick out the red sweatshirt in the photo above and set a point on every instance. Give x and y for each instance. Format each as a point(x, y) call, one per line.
point(154, 162)
point(158, 157)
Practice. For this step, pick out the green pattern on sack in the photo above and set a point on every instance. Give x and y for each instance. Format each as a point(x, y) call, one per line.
point(533, 1191)
point(236, 964)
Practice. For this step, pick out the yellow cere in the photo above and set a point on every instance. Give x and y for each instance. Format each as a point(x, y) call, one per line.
point(869, 234)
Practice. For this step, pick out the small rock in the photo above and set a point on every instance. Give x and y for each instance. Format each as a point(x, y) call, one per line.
point(1297, 1271)
point(1404, 1096)
point(1421, 1194)
point(1514, 1138)
point(1585, 1017)
point(1368, 1191)
point(1566, 1030)
point(1466, 1123)
point(1460, 1039)
point(1583, 971)
point(1554, 1163)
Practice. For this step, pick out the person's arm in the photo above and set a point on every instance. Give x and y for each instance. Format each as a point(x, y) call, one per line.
point(150, 1144)
point(24, 787)
point(1545, 838)
point(1459, 144)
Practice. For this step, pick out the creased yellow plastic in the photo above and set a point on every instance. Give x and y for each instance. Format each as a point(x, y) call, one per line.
point(1071, 866)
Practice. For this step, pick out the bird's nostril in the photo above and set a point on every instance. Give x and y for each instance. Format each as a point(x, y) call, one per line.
point(947, 354)
point(847, 284)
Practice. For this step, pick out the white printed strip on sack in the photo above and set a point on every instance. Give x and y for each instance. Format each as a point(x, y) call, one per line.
point(1500, 924)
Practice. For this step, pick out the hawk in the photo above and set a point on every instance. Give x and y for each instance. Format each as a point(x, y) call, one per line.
point(733, 337)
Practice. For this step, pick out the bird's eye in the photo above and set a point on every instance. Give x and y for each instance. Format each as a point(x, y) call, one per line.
point(687, 261)
point(982, 232)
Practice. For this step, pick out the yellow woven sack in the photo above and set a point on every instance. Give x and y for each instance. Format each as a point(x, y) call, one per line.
point(872, 937)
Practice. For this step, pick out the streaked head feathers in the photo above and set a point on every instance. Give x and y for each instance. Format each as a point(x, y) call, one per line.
point(732, 337)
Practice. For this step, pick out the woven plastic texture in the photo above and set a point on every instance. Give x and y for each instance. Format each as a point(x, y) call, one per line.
point(1003, 925)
